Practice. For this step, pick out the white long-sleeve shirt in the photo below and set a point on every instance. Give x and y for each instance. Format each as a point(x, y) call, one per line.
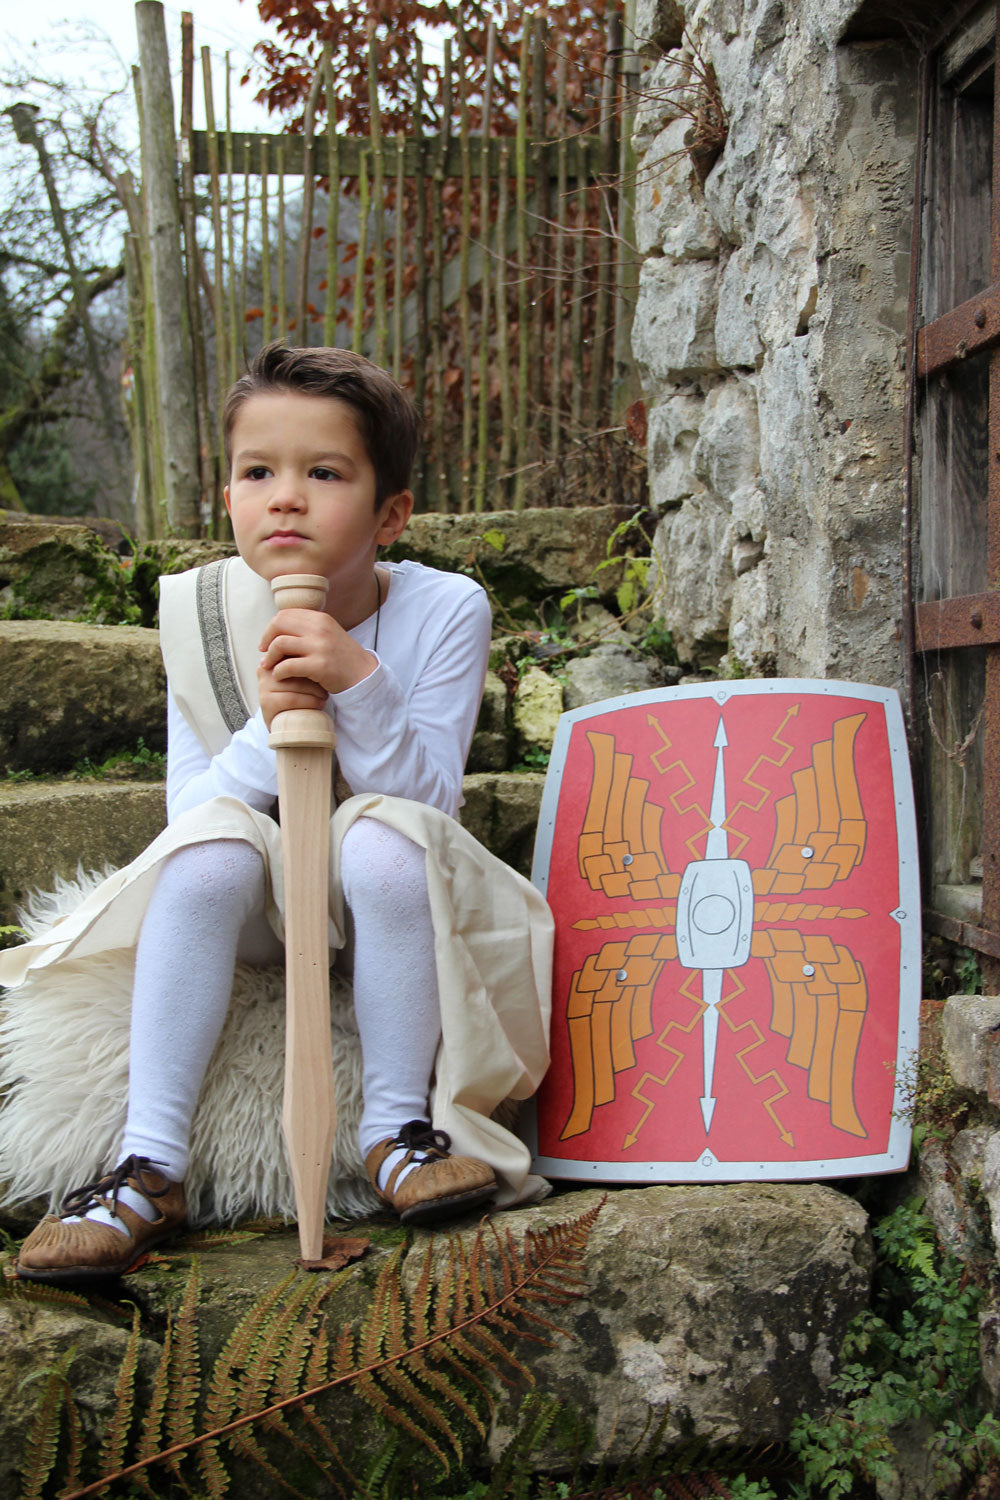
point(404, 730)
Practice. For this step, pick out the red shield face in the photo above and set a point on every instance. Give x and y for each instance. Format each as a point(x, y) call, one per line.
point(732, 870)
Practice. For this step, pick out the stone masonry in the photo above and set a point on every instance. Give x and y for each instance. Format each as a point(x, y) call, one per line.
point(770, 334)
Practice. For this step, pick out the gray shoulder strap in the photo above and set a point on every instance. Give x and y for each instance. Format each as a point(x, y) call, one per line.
point(216, 645)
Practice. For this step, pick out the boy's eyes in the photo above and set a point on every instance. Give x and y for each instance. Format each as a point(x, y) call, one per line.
point(321, 472)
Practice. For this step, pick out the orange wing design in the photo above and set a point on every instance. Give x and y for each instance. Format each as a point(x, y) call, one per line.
point(819, 998)
point(619, 847)
point(820, 829)
point(609, 1009)
point(610, 997)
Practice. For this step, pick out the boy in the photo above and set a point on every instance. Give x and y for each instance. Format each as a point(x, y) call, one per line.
point(320, 444)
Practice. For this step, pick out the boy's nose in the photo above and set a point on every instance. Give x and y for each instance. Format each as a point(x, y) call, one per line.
point(288, 497)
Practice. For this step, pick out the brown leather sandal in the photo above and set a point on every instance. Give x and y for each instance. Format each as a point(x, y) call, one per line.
point(442, 1186)
point(86, 1250)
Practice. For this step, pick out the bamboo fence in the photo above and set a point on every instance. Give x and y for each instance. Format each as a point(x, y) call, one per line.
point(491, 271)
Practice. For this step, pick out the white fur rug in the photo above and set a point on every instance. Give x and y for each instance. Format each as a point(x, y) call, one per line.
point(64, 1074)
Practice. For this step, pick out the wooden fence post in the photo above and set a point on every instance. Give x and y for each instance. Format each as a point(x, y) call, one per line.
point(173, 353)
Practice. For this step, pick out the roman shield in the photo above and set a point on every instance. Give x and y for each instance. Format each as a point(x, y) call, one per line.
point(733, 873)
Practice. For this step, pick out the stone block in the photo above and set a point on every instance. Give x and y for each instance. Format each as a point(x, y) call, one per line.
point(538, 702)
point(48, 829)
point(69, 691)
point(691, 578)
point(673, 336)
point(673, 432)
point(659, 25)
point(60, 571)
point(726, 455)
point(532, 554)
point(670, 213)
point(991, 1183)
point(490, 741)
point(501, 811)
point(169, 555)
point(608, 672)
point(970, 1033)
point(737, 341)
point(950, 1180)
point(719, 1308)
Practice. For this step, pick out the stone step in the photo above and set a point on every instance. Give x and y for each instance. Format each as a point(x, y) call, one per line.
point(49, 828)
point(719, 1310)
point(68, 691)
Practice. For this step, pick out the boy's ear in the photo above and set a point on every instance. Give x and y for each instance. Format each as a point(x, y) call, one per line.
point(225, 496)
point(395, 513)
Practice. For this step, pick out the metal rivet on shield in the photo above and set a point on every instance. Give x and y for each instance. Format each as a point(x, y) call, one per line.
point(622, 975)
point(806, 852)
point(808, 970)
point(627, 859)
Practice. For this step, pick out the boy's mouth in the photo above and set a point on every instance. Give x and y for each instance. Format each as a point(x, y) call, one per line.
point(285, 536)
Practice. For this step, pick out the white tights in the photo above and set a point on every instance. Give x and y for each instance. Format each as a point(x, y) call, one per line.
point(207, 909)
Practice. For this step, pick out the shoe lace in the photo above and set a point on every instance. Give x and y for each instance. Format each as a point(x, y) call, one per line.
point(77, 1202)
point(420, 1136)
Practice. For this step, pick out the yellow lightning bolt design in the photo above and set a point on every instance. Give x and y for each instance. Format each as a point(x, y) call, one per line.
point(781, 1088)
point(667, 742)
point(678, 764)
point(765, 792)
point(677, 1057)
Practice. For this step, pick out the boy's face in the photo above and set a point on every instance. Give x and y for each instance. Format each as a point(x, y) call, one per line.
point(301, 492)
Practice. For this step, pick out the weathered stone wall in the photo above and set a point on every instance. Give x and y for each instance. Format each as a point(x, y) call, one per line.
point(770, 335)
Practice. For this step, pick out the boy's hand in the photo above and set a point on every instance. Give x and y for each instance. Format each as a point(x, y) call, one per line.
point(307, 655)
point(293, 692)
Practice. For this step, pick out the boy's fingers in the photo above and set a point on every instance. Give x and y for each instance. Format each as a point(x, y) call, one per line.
point(290, 671)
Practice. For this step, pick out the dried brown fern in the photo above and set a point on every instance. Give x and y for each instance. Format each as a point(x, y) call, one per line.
point(414, 1361)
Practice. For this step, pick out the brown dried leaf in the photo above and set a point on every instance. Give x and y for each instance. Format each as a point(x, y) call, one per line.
point(338, 1251)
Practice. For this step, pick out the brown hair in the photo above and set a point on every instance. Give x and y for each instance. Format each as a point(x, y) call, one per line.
point(387, 418)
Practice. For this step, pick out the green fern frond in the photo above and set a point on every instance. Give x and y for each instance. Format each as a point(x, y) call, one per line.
point(116, 1436)
point(403, 1384)
point(246, 1444)
point(74, 1439)
point(222, 1396)
point(41, 1447)
point(370, 1390)
point(535, 1420)
point(186, 1369)
point(218, 1239)
point(151, 1434)
point(447, 1390)
point(36, 1291)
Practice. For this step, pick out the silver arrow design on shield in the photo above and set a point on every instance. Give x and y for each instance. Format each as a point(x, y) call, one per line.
point(714, 921)
point(716, 847)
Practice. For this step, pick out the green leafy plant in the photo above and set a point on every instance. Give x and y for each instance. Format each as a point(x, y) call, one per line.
point(970, 972)
point(11, 935)
point(933, 1103)
point(911, 1361)
point(534, 759)
point(124, 765)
